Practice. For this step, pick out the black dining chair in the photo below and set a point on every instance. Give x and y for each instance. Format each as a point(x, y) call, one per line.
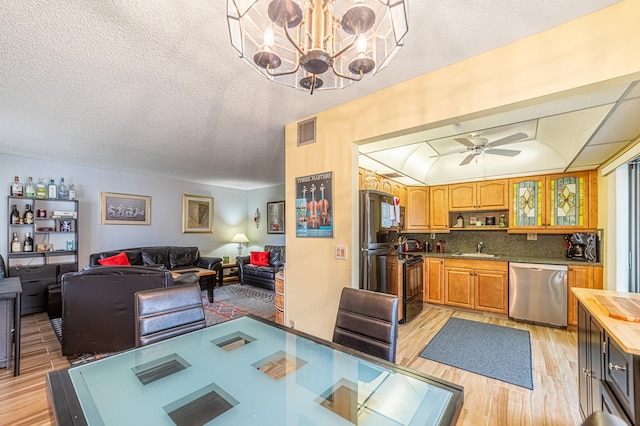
point(167, 312)
point(368, 322)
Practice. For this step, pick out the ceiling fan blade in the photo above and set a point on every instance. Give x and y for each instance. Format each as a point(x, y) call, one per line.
point(466, 142)
point(507, 152)
point(467, 159)
point(508, 139)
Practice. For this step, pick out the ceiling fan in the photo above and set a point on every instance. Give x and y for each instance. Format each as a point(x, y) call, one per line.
point(478, 145)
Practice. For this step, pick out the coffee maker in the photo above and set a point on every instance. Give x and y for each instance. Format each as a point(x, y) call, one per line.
point(582, 246)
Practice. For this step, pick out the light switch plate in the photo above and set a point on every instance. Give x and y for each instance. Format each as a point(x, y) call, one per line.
point(341, 252)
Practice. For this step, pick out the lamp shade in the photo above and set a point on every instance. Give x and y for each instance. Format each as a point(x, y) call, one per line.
point(239, 238)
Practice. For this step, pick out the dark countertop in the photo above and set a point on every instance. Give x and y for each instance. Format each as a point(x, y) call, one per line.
point(508, 258)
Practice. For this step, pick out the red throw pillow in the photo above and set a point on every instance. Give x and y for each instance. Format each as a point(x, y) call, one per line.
point(259, 258)
point(117, 260)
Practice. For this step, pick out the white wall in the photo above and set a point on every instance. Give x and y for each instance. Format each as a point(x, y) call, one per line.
point(258, 199)
point(231, 208)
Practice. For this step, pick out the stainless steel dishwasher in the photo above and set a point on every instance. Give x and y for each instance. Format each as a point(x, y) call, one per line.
point(538, 293)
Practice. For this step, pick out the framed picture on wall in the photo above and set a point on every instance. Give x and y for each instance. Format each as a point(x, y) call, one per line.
point(124, 209)
point(314, 205)
point(197, 214)
point(275, 217)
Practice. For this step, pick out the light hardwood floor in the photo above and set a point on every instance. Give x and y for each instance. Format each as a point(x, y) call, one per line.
point(554, 400)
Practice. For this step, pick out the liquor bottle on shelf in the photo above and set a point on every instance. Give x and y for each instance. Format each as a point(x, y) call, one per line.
point(52, 189)
point(16, 189)
point(41, 189)
point(62, 190)
point(28, 243)
point(30, 188)
point(15, 215)
point(15, 244)
point(72, 192)
point(28, 215)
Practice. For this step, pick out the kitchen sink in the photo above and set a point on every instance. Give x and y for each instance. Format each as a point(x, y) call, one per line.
point(492, 256)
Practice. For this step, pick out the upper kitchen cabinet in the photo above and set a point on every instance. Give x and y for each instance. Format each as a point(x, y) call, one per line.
point(399, 191)
point(486, 195)
point(417, 210)
point(439, 211)
point(554, 203)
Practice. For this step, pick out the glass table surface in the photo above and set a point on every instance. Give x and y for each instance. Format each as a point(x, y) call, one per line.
point(251, 371)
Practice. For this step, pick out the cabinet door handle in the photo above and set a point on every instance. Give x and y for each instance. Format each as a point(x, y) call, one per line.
point(586, 372)
point(617, 367)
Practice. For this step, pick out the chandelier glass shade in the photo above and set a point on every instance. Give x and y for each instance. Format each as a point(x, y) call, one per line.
point(317, 44)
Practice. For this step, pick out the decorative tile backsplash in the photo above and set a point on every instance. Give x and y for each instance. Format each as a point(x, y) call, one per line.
point(499, 242)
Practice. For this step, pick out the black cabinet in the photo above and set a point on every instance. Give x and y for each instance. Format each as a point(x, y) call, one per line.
point(607, 374)
point(590, 361)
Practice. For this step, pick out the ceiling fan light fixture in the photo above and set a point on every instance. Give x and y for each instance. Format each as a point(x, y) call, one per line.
point(343, 40)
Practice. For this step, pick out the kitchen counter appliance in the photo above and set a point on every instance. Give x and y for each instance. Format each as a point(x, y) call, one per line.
point(538, 293)
point(412, 286)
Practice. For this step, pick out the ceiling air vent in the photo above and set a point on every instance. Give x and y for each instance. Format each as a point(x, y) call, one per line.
point(393, 175)
point(307, 131)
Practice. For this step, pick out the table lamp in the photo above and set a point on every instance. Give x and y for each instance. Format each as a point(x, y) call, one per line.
point(240, 238)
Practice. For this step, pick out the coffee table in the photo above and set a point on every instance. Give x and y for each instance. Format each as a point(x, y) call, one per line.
point(206, 274)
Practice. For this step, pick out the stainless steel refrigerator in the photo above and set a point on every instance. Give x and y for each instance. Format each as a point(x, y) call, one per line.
point(379, 222)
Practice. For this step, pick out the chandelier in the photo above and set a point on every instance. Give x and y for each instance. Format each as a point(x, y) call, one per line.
point(317, 44)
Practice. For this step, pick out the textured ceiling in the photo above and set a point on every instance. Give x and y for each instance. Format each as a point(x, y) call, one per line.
point(155, 87)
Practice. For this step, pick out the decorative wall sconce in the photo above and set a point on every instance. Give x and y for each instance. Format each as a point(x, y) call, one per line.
point(256, 218)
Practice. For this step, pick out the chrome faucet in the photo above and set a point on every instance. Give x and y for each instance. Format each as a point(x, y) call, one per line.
point(480, 245)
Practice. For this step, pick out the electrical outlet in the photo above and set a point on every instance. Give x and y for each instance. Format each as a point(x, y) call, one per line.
point(292, 324)
point(433, 235)
point(341, 252)
point(532, 237)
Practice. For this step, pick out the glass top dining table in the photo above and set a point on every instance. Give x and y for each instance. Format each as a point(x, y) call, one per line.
point(249, 371)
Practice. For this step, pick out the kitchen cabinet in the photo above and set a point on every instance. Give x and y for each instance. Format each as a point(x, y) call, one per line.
point(417, 210)
point(554, 203)
point(477, 284)
point(590, 344)
point(582, 276)
point(395, 279)
point(434, 280)
point(400, 191)
point(439, 211)
point(486, 195)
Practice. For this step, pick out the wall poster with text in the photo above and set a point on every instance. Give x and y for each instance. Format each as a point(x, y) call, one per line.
point(314, 205)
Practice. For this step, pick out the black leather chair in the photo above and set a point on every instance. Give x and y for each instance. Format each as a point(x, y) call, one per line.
point(368, 322)
point(98, 313)
point(167, 312)
point(2, 268)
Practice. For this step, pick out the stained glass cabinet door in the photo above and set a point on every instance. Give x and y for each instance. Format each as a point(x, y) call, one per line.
point(527, 200)
point(568, 201)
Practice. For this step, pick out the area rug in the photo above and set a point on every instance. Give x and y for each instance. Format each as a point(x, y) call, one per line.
point(494, 351)
point(229, 302)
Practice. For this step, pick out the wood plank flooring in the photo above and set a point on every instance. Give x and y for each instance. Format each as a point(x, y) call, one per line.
point(554, 400)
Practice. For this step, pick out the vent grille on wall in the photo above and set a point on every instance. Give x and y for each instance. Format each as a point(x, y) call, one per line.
point(307, 131)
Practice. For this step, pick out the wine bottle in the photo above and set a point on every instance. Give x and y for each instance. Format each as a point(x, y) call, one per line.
point(15, 244)
point(16, 187)
point(62, 190)
point(15, 215)
point(52, 189)
point(41, 189)
point(28, 215)
point(30, 188)
point(28, 243)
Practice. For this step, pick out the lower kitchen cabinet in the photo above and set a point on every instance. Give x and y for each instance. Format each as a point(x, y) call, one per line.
point(433, 281)
point(608, 375)
point(476, 284)
point(581, 276)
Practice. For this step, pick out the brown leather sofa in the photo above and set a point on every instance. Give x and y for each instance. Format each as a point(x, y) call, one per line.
point(262, 276)
point(98, 311)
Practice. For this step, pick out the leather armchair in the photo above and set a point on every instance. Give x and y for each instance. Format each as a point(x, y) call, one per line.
point(262, 276)
point(2, 268)
point(98, 312)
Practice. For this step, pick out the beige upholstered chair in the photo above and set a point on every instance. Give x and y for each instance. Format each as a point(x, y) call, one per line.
point(167, 312)
point(368, 322)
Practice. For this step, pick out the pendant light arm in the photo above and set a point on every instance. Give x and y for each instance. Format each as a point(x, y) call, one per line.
point(348, 77)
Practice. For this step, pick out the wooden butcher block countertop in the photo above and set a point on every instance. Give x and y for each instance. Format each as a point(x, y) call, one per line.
point(608, 307)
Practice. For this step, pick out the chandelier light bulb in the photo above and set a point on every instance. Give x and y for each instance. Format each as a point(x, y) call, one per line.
point(269, 37)
point(362, 44)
